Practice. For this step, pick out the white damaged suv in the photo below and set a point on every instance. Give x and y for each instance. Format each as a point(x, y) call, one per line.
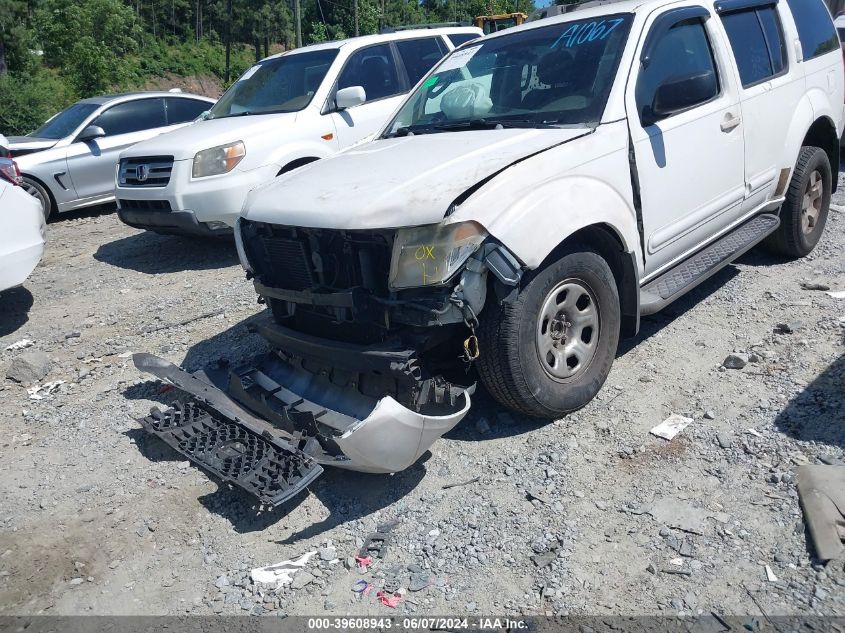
point(546, 186)
point(539, 191)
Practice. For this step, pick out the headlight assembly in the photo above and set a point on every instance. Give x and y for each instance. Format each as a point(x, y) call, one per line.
point(218, 160)
point(430, 255)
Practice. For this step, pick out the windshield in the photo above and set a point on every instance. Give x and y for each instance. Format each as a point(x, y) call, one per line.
point(282, 84)
point(65, 122)
point(549, 76)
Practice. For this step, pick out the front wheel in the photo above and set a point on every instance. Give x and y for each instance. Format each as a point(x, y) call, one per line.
point(40, 193)
point(548, 351)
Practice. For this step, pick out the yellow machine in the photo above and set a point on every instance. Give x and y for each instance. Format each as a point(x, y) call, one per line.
point(494, 23)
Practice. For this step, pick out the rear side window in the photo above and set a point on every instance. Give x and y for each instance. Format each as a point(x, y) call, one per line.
point(132, 116)
point(461, 38)
point(184, 110)
point(757, 42)
point(815, 27)
point(374, 69)
point(684, 50)
point(419, 56)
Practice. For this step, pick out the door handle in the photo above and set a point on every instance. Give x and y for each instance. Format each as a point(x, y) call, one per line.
point(730, 123)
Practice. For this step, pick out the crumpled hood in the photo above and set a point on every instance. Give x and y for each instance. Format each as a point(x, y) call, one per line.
point(184, 142)
point(396, 182)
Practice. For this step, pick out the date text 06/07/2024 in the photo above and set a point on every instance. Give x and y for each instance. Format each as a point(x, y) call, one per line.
point(414, 623)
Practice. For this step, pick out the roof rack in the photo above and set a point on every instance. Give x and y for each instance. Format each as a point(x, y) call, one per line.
point(411, 27)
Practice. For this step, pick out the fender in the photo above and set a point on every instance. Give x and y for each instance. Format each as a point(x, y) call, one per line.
point(572, 193)
point(579, 202)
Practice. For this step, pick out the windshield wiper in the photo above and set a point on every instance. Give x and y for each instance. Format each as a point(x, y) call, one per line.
point(485, 124)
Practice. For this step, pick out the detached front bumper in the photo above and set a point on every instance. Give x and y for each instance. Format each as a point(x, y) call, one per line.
point(270, 425)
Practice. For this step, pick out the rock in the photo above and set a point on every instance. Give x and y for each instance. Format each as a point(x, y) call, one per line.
point(328, 553)
point(349, 563)
point(419, 581)
point(724, 440)
point(302, 579)
point(735, 361)
point(222, 581)
point(786, 328)
point(29, 367)
point(814, 286)
point(543, 560)
point(77, 581)
point(709, 415)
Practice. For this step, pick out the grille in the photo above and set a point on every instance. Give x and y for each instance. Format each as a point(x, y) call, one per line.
point(300, 259)
point(288, 263)
point(144, 205)
point(148, 171)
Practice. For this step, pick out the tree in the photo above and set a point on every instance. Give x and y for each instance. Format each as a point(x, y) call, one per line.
point(88, 40)
point(16, 39)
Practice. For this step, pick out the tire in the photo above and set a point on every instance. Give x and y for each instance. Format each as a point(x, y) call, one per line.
point(527, 351)
point(803, 214)
point(40, 193)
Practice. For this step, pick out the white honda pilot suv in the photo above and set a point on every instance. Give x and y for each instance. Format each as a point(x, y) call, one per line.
point(286, 111)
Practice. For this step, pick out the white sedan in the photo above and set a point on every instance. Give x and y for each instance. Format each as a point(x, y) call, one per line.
point(22, 232)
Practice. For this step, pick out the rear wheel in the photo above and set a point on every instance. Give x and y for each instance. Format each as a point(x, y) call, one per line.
point(804, 212)
point(549, 351)
point(40, 193)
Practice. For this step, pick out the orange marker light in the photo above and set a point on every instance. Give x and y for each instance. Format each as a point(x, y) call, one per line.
point(327, 137)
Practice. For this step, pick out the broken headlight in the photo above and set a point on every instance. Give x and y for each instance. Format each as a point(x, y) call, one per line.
point(218, 160)
point(430, 255)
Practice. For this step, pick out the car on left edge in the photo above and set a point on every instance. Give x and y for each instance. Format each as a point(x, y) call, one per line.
point(22, 232)
point(69, 162)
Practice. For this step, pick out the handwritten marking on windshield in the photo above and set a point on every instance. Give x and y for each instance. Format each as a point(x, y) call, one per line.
point(577, 34)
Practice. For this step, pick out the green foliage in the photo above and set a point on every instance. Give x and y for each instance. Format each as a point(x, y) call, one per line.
point(88, 40)
point(26, 101)
point(53, 52)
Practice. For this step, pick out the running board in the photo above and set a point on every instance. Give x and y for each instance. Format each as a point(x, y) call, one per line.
point(218, 436)
point(663, 290)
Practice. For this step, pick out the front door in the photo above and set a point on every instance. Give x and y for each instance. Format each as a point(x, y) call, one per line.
point(91, 164)
point(691, 163)
point(374, 69)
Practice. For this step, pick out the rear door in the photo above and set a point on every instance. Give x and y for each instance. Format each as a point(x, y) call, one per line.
point(92, 164)
point(690, 164)
point(373, 68)
point(419, 55)
point(769, 92)
point(182, 110)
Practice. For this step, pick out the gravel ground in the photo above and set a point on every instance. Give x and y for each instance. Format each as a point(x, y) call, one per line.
point(587, 515)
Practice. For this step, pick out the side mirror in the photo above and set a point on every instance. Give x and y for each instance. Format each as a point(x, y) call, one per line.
point(90, 133)
point(680, 93)
point(350, 97)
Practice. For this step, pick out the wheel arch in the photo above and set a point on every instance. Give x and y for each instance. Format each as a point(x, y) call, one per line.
point(296, 163)
point(822, 134)
point(47, 188)
point(606, 241)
